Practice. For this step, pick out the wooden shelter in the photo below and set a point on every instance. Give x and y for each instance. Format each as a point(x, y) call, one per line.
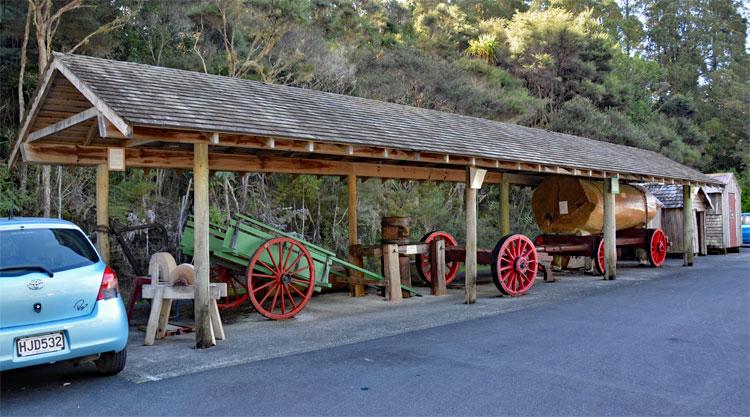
point(723, 226)
point(116, 115)
point(671, 200)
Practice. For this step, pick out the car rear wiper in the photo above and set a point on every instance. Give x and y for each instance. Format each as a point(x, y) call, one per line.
point(39, 268)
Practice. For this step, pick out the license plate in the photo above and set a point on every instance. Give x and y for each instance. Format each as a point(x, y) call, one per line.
point(35, 345)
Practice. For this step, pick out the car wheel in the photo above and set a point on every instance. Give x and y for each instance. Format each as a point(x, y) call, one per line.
point(111, 363)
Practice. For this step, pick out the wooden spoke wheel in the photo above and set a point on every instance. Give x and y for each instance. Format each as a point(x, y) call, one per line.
point(236, 288)
point(424, 267)
point(657, 245)
point(598, 256)
point(280, 278)
point(514, 265)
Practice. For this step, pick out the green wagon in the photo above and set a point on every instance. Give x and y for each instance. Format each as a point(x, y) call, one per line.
point(276, 271)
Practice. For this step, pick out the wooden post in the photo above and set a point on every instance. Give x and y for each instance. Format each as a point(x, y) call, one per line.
point(204, 337)
point(102, 211)
point(504, 207)
point(610, 230)
point(355, 290)
point(687, 226)
point(474, 180)
point(391, 272)
point(437, 267)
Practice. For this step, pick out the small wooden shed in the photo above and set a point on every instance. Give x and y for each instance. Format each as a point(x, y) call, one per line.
point(670, 198)
point(723, 228)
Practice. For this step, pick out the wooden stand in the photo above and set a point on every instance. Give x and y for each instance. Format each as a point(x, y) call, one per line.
point(161, 306)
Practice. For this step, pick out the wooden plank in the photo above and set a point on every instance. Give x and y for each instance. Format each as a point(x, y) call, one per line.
point(153, 317)
point(163, 322)
point(437, 267)
point(73, 154)
point(391, 273)
point(183, 292)
point(687, 226)
point(77, 118)
point(204, 337)
point(355, 290)
point(504, 207)
point(90, 133)
point(470, 269)
point(217, 328)
point(102, 211)
point(610, 231)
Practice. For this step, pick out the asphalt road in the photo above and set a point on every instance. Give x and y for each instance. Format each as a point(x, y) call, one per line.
point(678, 344)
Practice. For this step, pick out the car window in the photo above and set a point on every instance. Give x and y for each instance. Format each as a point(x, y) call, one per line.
point(746, 220)
point(51, 248)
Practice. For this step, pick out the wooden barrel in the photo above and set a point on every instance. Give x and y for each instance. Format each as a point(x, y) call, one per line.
point(395, 229)
point(569, 205)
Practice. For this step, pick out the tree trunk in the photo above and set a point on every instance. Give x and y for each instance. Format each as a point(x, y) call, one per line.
point(46, 192)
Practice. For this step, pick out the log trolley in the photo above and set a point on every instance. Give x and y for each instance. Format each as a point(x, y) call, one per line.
point(570, 213)
point(514, 262)
point(276, 271)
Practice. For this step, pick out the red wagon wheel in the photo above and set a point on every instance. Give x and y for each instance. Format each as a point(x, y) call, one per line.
point(280, 278)
point(236, 289)
point(424, 267)
point(598, 256)
point(657, 245)
point(514, 265)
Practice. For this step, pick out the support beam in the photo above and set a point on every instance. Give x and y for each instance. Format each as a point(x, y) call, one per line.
point(204, 337)
point(63, 124)
point(474, 177)
point(64, 154)
point(687, 226)
point(391, 273)
point(102, 211)
point(355, 290)
point(610, 229)
point(437, 267)
point(504, 207)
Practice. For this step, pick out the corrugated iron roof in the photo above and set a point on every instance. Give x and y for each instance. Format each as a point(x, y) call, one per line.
point(152, 96)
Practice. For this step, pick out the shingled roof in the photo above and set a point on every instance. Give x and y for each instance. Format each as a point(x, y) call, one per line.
point(149, 96)
point(670, 196)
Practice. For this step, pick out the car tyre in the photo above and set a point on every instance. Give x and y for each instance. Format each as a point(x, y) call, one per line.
point(111, 363)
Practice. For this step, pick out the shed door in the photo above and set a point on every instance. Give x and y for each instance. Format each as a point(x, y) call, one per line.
point(733, 221)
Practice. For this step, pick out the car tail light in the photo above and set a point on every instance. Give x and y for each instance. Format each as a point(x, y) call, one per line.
point(108, 289)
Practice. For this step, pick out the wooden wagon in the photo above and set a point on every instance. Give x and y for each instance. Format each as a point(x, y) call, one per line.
point(277, 271)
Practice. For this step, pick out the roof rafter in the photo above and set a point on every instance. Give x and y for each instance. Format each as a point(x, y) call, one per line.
point(71, 121)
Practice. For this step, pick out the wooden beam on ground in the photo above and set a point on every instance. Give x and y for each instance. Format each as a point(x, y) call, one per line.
point(504, 207)
point(610, 230)
point(355, 290)
point(392, 273)
point(437, 267)
point(204, 337)
point(102, 211)
point(687, 226)
point(71, 121)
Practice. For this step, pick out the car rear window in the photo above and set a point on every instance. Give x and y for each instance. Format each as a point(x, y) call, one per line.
point(52, 248)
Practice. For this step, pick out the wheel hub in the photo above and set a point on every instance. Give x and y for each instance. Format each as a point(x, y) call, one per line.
point(522, 264)
point(286, 279)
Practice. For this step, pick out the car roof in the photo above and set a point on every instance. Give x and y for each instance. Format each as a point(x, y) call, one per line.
point(15, 222)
